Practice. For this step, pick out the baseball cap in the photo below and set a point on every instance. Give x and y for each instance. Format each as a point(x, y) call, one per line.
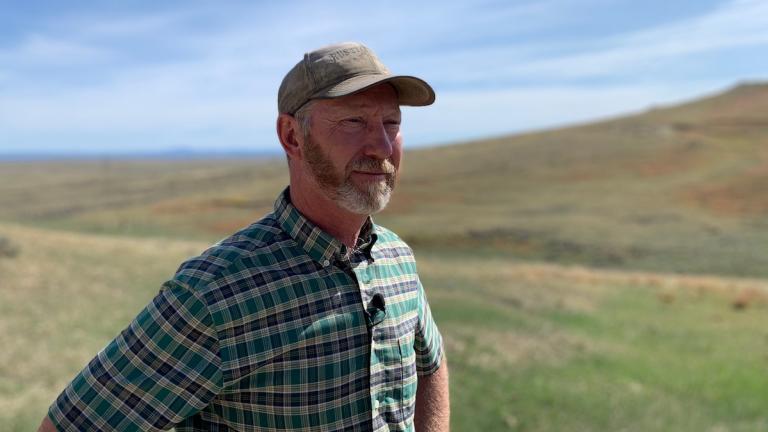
point(344, 69)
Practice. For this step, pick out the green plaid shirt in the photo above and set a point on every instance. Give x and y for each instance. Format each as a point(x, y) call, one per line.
point(278, 327)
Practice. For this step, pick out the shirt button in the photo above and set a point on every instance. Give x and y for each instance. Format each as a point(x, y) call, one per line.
point(326, 263)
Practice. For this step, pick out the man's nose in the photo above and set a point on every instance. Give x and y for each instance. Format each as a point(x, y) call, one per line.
point(379, 141)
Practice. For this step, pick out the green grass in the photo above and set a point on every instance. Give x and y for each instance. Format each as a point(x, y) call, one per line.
point(531, 347)
point(602, 355)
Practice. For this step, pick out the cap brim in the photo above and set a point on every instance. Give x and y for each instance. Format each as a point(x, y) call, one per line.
point(411, 91)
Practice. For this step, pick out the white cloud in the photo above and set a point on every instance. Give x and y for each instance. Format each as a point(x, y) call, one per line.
point(736, 24)
point(96, 27)
point(163, 102)
point(45, 51)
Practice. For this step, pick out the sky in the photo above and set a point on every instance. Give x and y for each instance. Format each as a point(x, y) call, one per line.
point(88, 77)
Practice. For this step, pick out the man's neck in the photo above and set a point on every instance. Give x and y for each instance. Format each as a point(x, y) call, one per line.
point(343, 225)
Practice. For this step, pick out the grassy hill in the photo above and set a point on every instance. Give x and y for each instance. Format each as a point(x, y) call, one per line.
point(606, 336)
point(672, 189)
point(532, 347)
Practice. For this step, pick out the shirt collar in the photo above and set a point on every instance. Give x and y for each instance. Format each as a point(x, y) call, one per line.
point(319, 245)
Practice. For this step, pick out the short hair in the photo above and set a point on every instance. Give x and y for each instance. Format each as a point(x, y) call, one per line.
point(303, 116)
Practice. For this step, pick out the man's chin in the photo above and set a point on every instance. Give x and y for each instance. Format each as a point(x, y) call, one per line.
point(364, 202)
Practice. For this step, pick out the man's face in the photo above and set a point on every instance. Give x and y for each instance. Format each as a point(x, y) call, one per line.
point(354, 148)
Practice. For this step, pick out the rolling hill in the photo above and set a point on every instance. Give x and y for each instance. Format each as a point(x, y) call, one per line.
point(676, 188)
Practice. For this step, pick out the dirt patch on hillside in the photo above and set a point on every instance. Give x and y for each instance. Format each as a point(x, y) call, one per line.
point(684, 154)
point(672, 161)
point(744, 195)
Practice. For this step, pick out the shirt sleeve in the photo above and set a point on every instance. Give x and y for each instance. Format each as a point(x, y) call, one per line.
point(428, 343)
point(161, 369)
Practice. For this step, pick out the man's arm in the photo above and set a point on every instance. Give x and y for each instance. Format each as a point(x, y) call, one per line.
point(433, 409)
point(161, 369)
point(46, 425)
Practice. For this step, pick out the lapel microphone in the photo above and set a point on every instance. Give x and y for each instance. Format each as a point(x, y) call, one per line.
point(376, 310)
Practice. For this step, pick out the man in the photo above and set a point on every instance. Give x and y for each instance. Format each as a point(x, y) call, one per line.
point(312, 318)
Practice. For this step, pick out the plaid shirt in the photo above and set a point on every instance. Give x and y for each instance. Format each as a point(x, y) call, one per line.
point(277, 327)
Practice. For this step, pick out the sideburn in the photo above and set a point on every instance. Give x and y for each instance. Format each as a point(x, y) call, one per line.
point(320, 165)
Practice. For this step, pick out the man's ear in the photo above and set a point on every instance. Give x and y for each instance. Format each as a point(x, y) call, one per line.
point(290, 136)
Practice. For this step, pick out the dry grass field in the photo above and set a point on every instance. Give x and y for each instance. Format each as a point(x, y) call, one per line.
point(604, 277)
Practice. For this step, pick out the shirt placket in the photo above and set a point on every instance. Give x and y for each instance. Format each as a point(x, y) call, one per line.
point(363, 271)
point(360, 269)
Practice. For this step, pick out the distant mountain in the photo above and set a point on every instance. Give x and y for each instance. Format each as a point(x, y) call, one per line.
point(181, 153)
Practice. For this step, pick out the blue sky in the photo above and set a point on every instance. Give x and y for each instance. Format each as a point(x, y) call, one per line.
point(137, 76)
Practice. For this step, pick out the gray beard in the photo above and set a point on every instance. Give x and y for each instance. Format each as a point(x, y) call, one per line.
point(341, 189)
point(364, 202)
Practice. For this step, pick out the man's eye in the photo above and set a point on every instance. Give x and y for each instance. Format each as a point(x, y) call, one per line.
point(354, 121)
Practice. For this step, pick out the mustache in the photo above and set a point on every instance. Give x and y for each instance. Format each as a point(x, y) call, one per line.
point(373, 165)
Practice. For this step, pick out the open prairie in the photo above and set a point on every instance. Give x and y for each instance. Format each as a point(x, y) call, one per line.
point(533, 347)
point(598, 277)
